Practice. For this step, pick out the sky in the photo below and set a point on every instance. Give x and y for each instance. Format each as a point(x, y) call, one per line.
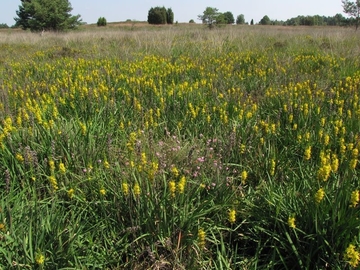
point(185, 10)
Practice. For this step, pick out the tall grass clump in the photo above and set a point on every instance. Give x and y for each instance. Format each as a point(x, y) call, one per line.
point(180, 148)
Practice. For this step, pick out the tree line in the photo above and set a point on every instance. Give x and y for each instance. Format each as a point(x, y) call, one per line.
point(55, 15)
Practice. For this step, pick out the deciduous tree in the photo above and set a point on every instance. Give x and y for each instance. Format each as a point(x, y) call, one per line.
point(240, 19)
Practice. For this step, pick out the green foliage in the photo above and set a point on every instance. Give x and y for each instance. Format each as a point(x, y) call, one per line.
point(240, 19)
point(40, 15)
point(3, 25)
point(209, 16)
point(265, 20)
point(169, 16)
point(241, 154)
point(101, 21)
point(157, 15)
point(353, 10)
point(191, 21)
point(252, 22)
point(228, 17)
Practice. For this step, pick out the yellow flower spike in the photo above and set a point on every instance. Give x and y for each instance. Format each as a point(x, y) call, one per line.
point(181, 185)
point(2, 227)
point(232, 216)
point(355, 198)
point(352, 256)
point(353, 163)
point(291, 222)
point(62, 168)
point(19, 157)
point(175, 171)
point(319, 195)
point(40, 258)
point(102, 191)
point(244, 175)
point(172, 187)
point(334, 163)
point(137, 190)
point(53, 182)
point(272, 167)
point(201, 238)
point(70, 193)
point(307, 153)
point(106, 164)
point(125, 188)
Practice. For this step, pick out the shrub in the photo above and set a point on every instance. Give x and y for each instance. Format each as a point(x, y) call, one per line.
point(101, 22)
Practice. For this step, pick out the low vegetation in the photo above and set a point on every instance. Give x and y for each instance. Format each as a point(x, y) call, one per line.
point(177, 147)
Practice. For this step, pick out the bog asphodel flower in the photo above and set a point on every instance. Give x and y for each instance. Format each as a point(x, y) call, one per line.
point(201, 238)
point(291, 222)
point(352, 256)
point(232, 216)
point(355, 198)
point(319, 195)
point(172, 187)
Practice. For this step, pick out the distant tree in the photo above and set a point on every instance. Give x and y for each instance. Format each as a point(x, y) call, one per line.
point(252, 22)
point(191, 21)
point(101, 21)
point(209, 16)
point(353, 10)
point(221, 19)
point(240, 19)
point(3, 25)
point(228, 17)
point(157, 15)
point(169, 16)
point(265, 20)
point(40, 15)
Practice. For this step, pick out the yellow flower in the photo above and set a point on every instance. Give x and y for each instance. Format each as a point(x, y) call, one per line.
point(243, 177)
point(353, 163)
point(40, 258)
point(175, 171)
point(2, 227)
point(272, 167)
point(354, 198)
point(307, 153)
point(102, 191)
point(201, 238)
point(71, 193)
point(181, 185)
point(291, 222)
point(106, 164)
point(352, 256)
point(52, 165)
point(172, 187)
point(137, 189)
point(334, 163)
point(232, 216)
point(319, 195)
point(19, 157)
point(53, 182)
point(62, 168)
point(125, 188)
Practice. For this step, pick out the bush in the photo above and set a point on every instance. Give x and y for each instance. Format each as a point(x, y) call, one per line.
point(3, 25)
point(101, 22)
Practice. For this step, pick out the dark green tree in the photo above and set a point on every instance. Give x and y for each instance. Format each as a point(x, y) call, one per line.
point(157, 15)
point(265, 20)
point(3, 25)
point(169, 16)
point(353, 10)
point(209, 16)
point(101, 21)
point(41, 15)
point(252, 22)
point(229, 17)
point(240, 19)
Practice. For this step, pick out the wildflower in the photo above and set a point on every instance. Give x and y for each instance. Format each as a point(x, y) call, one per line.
point(106, 164)
point(40, 258)
point(319, 195)
point(143, 158)
point(353, 163)
point(53, 182)
point(307, 153)
point(243, 177)
point(272, 167)
point(175, 171)
point(19, 157)
point(232, 216)
point(334, 163)
point(102, 191)
point(352, 256)
point(201, 238)
point(172, 187)
point(62, 168)
point(181, 185)
point(83, 128)
point(2, 227)
point(125, 188)
point(52, 165)
point(354, 198)
point(137, 189)
point(291, 222)
point(71, 193)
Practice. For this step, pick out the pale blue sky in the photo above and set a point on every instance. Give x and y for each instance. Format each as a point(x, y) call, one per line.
point(184, 10)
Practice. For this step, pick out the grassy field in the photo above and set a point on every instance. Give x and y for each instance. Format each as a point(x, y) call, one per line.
point(138, 147)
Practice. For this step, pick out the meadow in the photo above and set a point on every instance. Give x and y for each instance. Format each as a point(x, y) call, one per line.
point(179, 147)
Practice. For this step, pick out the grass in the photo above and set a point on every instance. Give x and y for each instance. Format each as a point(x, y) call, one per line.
point(180, 148)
